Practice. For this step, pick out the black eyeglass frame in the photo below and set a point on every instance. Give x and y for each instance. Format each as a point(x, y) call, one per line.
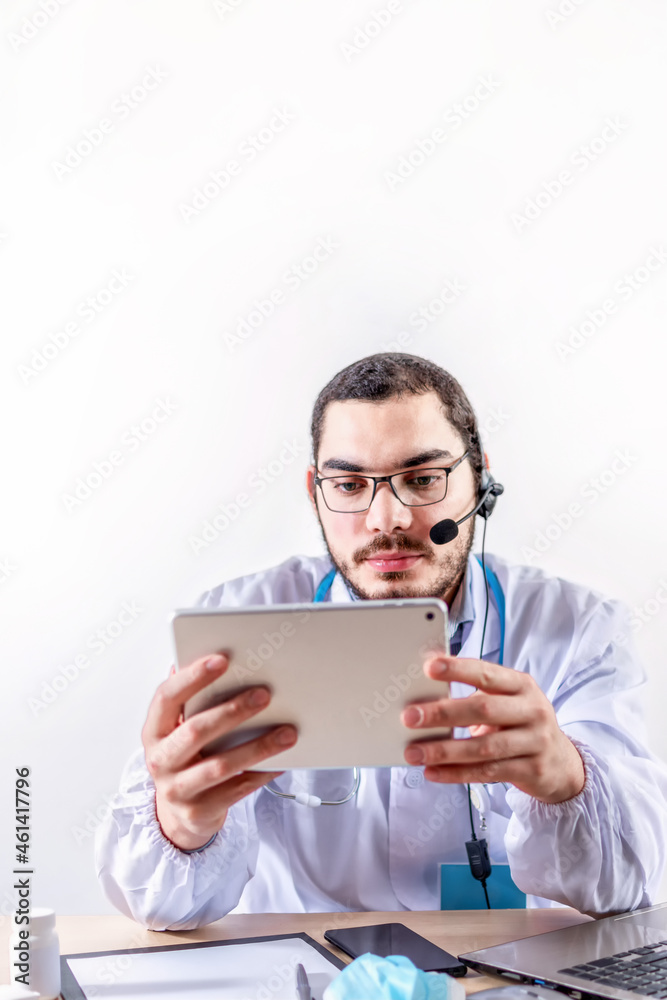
point(318, 480)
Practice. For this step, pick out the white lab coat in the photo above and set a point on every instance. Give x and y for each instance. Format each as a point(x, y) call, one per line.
point(601, 851)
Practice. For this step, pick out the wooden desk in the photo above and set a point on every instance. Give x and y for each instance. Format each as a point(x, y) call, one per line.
point(455, 930)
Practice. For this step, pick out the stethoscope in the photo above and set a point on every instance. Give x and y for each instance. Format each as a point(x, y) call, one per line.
point(304, 798)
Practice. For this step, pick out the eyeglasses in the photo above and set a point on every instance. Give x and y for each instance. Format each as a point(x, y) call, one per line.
point(352, 494)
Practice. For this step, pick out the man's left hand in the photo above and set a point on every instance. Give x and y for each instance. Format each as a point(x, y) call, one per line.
point(515, 735)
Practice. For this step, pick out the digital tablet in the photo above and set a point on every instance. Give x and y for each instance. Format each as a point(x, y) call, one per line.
point(340, 673)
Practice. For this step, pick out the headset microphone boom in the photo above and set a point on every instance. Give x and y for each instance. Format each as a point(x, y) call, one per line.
point(489, 491)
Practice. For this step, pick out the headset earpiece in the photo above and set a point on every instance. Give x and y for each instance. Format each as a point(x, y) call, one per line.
point(487, 485)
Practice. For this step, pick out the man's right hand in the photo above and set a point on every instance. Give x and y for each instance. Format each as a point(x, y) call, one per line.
point(193, 793)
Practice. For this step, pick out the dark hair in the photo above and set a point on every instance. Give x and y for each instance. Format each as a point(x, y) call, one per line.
point(384, 376)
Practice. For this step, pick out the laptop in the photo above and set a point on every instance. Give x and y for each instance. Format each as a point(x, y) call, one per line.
point(619, 957)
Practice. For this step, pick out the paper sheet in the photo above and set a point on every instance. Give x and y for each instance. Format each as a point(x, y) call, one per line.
point(258, 970)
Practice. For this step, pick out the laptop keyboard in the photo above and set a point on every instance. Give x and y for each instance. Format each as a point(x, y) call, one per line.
point(642, 970)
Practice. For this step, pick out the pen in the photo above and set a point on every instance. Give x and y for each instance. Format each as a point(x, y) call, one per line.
point(302, 984)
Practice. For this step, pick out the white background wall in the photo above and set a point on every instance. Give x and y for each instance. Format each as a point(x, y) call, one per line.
point(554, 421)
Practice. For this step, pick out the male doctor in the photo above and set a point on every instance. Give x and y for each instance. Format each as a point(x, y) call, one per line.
point(574, 801)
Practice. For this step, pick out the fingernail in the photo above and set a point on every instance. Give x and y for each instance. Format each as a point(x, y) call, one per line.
point(260, 696)
point(413, 716)
point(414, 755)
point(285, 737)
point(214, 662)
point(439, 667)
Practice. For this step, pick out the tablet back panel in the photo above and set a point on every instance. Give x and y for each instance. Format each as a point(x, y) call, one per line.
point(341, 673)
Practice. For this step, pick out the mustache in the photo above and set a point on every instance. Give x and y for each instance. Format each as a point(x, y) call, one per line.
point(398, 544)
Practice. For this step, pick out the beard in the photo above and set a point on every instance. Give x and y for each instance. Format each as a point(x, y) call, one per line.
point(446, 572)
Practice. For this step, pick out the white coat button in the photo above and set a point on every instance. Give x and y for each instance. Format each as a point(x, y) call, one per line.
point(414, 778)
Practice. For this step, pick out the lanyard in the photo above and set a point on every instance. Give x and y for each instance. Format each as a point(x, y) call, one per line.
point(493, 581)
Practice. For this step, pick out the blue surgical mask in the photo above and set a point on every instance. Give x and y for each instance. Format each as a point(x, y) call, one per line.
point(370, 977)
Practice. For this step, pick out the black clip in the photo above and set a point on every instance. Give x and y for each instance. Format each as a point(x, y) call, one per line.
point(478, 858)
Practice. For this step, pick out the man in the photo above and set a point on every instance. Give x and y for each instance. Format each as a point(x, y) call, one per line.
point(576, 803)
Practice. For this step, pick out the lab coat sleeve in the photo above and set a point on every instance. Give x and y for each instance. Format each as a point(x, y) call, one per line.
point(601, 851)
point(149, 879)
point(141, 872)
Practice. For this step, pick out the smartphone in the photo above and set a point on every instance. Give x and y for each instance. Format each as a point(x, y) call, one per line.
point(395, 939)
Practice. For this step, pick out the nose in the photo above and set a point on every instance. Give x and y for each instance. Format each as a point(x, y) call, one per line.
point(387, 513)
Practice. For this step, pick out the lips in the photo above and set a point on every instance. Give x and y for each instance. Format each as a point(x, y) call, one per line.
point(390, 562)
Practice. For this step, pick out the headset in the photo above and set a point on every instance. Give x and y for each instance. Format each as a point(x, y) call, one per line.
point(488, 493)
